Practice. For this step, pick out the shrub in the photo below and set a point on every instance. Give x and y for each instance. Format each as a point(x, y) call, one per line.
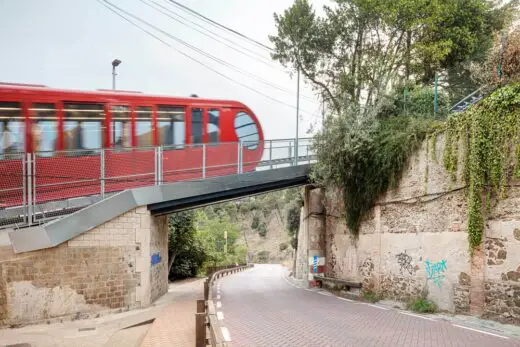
point(255, 222)
point(283, 246)
point(422, 305)
point(262, 230)
point(262, 257)
point(370, 296)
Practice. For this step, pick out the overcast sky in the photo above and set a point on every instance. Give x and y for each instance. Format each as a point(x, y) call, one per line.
point(71, 44)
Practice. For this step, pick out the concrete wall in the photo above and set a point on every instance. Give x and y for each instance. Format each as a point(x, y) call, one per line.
point(159, 256)
point(106, 268)
point(415, 241)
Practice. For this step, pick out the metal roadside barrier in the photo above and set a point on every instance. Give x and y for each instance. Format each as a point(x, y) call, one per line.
point(208, 329)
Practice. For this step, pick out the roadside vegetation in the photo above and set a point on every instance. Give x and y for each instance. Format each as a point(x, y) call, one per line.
point(223, 234)
point(388, 72)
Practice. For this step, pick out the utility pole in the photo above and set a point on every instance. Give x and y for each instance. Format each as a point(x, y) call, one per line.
point(297, 118)
point(115, 63)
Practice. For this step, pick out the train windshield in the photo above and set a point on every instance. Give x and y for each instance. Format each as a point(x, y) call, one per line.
point(246, 130)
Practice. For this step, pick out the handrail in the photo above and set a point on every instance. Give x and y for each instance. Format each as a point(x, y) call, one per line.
point(207, 325)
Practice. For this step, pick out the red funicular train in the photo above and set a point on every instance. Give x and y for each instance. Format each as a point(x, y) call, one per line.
point(66, 129)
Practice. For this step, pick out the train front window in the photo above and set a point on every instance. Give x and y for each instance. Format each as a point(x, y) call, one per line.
point(83, 126)
point(196, 125)
point(172, 127)
point(143, 126)
point(246, 130)
point(44, 129)
point(121, 128)
point(11, 128)
point(213, 126)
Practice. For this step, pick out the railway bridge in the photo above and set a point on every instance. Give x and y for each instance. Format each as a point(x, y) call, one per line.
point(112, 254)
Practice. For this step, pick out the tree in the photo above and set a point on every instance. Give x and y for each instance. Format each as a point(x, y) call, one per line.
point(211, 233)
point(293, 222)
point(186, 253)
point(360, 47)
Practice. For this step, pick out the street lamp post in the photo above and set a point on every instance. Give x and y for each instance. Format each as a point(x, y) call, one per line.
point(115, 63)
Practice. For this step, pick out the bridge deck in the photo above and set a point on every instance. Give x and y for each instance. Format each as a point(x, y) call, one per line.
point(160, 199)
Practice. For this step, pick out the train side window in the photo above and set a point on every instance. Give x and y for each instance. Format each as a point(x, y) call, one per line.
point(171, 124)
point(246, 130)
point(83, 126)
point(121, 126)
point(213, 126)
point(44, 128)
point(196, 125)
point(144, 126)
point(12, 136)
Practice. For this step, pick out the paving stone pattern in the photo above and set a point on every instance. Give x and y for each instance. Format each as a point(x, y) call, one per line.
point(262, 309)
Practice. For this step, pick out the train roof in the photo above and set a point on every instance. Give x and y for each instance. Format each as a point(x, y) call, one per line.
point(107, 95)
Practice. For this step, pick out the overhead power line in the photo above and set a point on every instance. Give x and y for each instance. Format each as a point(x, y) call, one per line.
point(113, 8)
point(222, 26)
point(215, 36)
point(220, 61)
point(204, 53)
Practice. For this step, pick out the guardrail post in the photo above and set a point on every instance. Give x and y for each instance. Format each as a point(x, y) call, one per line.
point(270, 154)
point(203, 160)
point(296, 145)
point(29, 189)
point(201, 306)
point(200, 330)
point(160, 168)
point(290, 151)
point(206, 289)
point(156, 165)
point(102, 173)
point(240, 163)
point(24, 187)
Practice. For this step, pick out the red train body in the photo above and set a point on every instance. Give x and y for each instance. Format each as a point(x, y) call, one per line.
point(65, 131)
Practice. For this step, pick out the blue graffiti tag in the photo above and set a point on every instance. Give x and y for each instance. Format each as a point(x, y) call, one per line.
point(156, 258)
point(435, 270)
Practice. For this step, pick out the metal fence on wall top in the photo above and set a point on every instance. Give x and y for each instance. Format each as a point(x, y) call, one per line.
point(37, 187)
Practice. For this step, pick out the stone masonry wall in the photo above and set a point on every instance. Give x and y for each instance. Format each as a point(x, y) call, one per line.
point(415, 241)
point(103, 269)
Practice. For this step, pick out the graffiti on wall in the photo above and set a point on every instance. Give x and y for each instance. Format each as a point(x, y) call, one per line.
point(156, 258)
point(405, 262)
point(435, 271)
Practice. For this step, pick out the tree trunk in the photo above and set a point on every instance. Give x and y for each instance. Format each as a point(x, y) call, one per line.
point(408, 55)
point(170, 262)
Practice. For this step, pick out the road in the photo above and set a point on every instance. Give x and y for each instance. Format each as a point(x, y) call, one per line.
point(262, 307)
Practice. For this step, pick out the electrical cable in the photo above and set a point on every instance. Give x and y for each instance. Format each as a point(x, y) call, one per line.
point(217, 24)
point(213, 35)
point(107, 5)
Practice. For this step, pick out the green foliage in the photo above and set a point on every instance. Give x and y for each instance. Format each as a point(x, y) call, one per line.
point(211, 232)
point(262, 257)
point(364, 157)
point(490, 135)
point(255, 222)
point(262, 229)
point(359, 48)
point(417, 101)
point(370, 296)
point(293, 222)
point(283, 246)
point(422, 305)
point(186, 251)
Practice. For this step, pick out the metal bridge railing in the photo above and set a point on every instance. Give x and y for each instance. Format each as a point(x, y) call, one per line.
point(37, 187)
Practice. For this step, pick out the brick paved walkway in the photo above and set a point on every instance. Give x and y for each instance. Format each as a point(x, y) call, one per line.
point(262, 308)
point(175, 325)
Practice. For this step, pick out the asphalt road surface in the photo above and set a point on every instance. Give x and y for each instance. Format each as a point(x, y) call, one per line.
point(262, 307)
